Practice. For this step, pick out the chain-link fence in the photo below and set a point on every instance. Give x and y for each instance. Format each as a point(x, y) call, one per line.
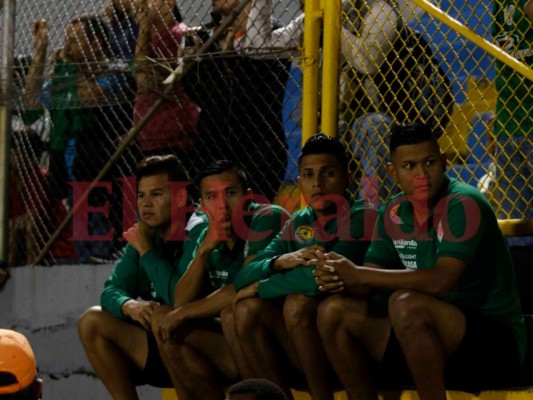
point(203, 81)
point(400, 64)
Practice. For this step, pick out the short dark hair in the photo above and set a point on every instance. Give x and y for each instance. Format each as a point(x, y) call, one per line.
point(220, 166)
point(262, 388)
point(411, 133)
point(165, 164)
point(320, 143)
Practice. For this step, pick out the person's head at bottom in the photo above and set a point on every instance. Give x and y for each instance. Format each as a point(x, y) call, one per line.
point(255, 389)
point(18, 369)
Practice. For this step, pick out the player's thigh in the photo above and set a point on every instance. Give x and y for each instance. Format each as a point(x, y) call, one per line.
point(407, 308)
point(125, 335)
point(357, 318)
point(210, 342)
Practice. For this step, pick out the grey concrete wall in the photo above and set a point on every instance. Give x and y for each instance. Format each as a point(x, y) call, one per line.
point(44, 304)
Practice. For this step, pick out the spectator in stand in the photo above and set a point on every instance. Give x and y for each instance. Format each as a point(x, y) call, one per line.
point(18, 368)
point(528, 9)
point(124, 29)
point(278, 298)
point(34, 212)
point(513, 127)
point(172, 129)
point(439, 282)
point(117, 336)
point(88, 103)
point(189, 336)
point(369, 30)
point(241, 98)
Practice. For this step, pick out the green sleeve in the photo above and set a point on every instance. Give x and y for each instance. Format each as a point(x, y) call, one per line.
point(382, 251)
point(264, 227)
point(195, 227)
point(259, 267)
point(296, 280)
point(161, 273)
point(462, 226)
point(192, 247)
point(124, 283)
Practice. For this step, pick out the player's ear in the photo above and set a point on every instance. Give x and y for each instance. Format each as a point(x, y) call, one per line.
point(391, 170)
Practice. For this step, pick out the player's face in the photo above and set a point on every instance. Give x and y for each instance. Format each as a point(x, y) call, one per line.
point(221, 194)
point(321, 175)
point(419, 170)
point(154, 201)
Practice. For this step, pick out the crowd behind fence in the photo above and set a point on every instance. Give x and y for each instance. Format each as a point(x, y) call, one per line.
point(87, 77)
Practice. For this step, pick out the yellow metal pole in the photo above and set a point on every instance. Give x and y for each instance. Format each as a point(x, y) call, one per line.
point(330, 66)
point(475, 38)
point(311, 63)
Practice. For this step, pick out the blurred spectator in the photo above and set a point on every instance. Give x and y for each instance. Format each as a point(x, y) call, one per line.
point(255, 389)
point(513, 32)
point(528, 9)
point(172, 128)
point(87, 101)
point(241, 99)
point(34, 212)
point(18, 368)
point(124, 29)
point(370, 29)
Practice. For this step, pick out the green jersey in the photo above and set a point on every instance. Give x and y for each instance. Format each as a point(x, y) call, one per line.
point(154, 275)
point(513, 33)
point(343, 233)
point(223, 263)
point(462, 225)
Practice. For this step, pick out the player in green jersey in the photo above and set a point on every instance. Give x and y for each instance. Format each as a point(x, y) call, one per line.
point(454, 317)
point(190, 337)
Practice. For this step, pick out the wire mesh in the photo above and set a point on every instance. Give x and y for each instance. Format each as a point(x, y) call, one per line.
point(482, 109)
point(87, 72)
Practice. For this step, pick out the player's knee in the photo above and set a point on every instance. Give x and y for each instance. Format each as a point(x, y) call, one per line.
point(329, 314)
point(89, 324)
point(247, 314)
point(226, 318)
point(407, 310)
point(299, 311)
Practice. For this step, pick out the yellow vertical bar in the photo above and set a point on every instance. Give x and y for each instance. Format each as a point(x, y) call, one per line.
point(330, 66)
point(311, 63)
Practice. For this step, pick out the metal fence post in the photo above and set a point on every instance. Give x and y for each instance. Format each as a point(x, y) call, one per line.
point(330, 68)
point(6, 82)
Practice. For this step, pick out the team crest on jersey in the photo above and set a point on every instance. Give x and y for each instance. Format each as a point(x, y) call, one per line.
point(394, 217)
point(304, 234)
